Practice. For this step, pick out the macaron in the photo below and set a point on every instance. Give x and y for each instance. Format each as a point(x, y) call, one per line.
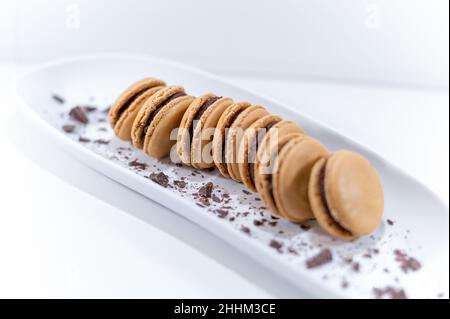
point(234, 137)
point(264, 131)
point(123, 112)
point(266, 164)
point(290, 181)
point(154, 129)
point(219, 140)
point(197, 130)
point(346, 195)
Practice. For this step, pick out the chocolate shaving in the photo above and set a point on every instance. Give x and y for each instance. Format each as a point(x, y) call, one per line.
point(82, 139)
point(68, 128)
point(222, 213)
point(58, 98)
point(78, 114)
point(276, 245)
point(138, 165)
point(322, 258)
point(160, 178)
point(206, 190)
point(406, 263)
point(390, 292)
point(101, 141)
point(179, 183)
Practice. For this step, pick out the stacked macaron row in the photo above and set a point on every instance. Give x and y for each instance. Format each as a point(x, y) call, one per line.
point(295, 175)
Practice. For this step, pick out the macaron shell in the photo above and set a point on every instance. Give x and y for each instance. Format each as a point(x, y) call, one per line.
point(318, 207)
point(201, 149)
point(354, 192)
point(151, 104)
point(135, 88)
point(268, 160)
point(124, 124)
point(219, 135)
point(291, 181)
point(243, 121)
point(248, 147)
point(183, 137)
point(159, 139)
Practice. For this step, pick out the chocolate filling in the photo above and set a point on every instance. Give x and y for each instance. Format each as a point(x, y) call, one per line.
point(158, 109)
point(323, 197)
point(251, 161)
point(269, 180)
point(233, 119)
point(130, 101)
point(210, 101)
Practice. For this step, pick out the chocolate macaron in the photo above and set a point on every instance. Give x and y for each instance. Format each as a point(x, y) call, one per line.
point(259, 136)
point(159, 117)
point(346, 195)
point(197, 129)
point(125, 109)
point(235, 134)
point(219, 140)
point(266, 164)
point(290, 181)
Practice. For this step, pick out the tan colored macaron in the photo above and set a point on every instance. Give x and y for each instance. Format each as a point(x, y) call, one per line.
point(235, 134)
point(266, 164)
point(346, 195)
point(264, 131)
point(197, 130)
point(219, 140)
point(290, 181)
point(154, 126)
point(124, 110)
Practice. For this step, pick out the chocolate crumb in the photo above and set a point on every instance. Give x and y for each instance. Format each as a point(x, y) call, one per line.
point(356, 266)
point(89, 108)
point(204, 201)
point(390, 222)
point(101, 141)
point(206, 190)
point(292, 251)
point(273, 224)
point(82, 139)
point(160, 178)
point(276, 244)
point(106, 111)
point(216, 199)
point(245, 230)
point(58, 99)
point(246, 192)
point(222, 213)
point(320, 259)
point(344, 284)
point(390, 292)
point(180, 183)
point(406, 263)
point(68, 128)
point(137, 164)
point(257, 222)
point(78, 114)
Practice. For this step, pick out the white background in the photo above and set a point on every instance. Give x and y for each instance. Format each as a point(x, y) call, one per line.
point(377, 70)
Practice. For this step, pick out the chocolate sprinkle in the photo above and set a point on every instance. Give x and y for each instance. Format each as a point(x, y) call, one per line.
point(222, 213)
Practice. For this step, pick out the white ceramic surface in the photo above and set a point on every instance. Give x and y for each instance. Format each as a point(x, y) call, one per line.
point(420, 226)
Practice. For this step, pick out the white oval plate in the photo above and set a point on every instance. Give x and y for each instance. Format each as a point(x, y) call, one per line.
point(415, 225)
